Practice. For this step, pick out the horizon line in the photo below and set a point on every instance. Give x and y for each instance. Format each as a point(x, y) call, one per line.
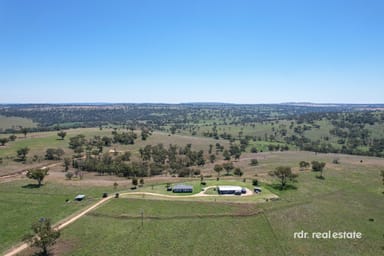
point(181, 103)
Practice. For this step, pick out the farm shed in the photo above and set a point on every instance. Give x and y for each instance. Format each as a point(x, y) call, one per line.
point(79, 197)
point(227, 190)
point(181, 188)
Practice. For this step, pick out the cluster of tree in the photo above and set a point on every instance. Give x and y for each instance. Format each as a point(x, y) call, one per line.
point(54, 153)
point(48, 116)
point(145, 133)
point(110, 165)
point(5, 140)
point(176, 159)
point(228, 167)
point(155, 160)
point(126, 138)
point(350, 130)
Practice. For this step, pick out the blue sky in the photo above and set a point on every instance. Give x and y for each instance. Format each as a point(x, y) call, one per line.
point(238, 51)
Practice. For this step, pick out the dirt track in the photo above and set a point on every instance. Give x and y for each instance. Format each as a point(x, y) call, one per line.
point(66, 222)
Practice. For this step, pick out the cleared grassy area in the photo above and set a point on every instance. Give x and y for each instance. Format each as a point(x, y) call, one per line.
point(161, 209)
point(22, 203)
point(170, 234)
point(15, 122)
point(336, 212)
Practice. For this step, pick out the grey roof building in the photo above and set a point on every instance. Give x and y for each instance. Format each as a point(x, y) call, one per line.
point(182, 188)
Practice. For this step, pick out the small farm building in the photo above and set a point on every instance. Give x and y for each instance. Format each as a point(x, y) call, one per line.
point(227, 190)
point(181, 188)
point(79, 197)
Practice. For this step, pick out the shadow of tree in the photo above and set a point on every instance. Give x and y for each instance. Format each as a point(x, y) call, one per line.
point(42, 254)
point(277, 186)
point(32, 186)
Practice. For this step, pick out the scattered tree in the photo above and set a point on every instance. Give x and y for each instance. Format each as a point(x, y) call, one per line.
point(210, 149)
point(218, 168)
point(24, 131)
point(212, 158)
point(254, 150)
point(202, 182)
point(69, 175)
point(284, 174)
point(228, 167)
point(145, 133)
point(173, 129)
point(238, 172)
point(22, 153)
point(141, 181)
point(13, 137)
point(43, 237)
point(115, 185)
point(67, 163)
point(107, 141)
point(304, 164)
point(3, 141)
point(38, 174)
point(254, 162)
point(134, 182)
point(318, 167)
point(62, 134)
point(226, 155)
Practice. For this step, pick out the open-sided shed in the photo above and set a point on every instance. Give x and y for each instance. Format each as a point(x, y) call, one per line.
point(182, 188)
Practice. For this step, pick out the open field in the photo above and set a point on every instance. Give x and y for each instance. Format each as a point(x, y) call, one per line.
point(338, 203)
point(23, 203)
point(169, 228)
point(15, 123)
point(346, 200)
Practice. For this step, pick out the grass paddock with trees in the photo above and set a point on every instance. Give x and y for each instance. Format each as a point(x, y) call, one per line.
point(348, 199)
point(345, 194)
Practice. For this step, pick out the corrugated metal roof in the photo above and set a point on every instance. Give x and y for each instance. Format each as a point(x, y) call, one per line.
point(230, 188)
point(182, 186)
point(80, 197)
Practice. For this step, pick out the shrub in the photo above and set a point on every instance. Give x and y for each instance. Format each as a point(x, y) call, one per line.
point(254, 150)
point(254, 162)
point(69, 175)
